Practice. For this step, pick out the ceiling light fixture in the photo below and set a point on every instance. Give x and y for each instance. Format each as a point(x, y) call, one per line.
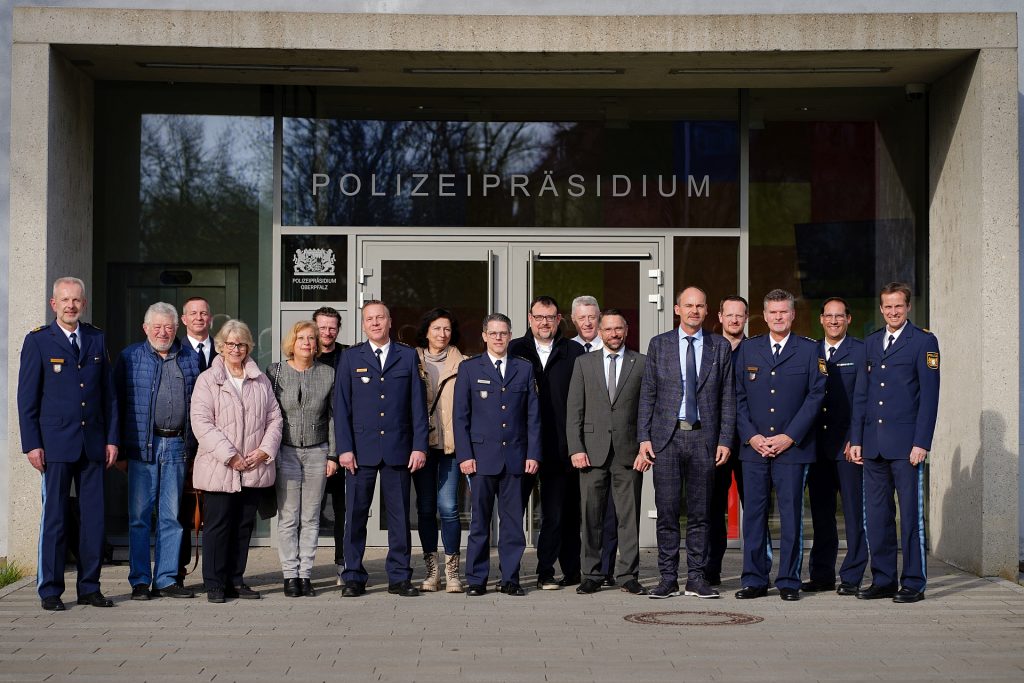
point(718, 71)
point(291, 68)
point(464, 71)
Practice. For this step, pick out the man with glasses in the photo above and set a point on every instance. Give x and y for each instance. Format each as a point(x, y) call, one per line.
point(832, 472)
point(497, 441)
point(328, 325)
point(732, 316)
point(552, 357)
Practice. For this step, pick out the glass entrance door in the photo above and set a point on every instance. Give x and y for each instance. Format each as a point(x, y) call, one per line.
point(473, 277)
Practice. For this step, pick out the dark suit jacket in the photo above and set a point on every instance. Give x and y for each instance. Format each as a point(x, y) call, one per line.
point(779, 397)
point(381, 416)
point(661, 392)
point(595, 425)
point(896, 405)
point(496, 420)
point(66, 405)
point(553, 382)
point(840, 387)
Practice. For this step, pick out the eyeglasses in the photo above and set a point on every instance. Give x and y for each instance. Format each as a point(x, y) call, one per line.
point(544, 318)
point(498, 335)
point(232, 346)
point(834, 316)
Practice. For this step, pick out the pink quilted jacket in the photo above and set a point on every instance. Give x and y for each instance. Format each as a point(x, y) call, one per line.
point(226, 425)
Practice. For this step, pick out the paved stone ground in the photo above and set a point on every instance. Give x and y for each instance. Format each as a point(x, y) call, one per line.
point(967, 629)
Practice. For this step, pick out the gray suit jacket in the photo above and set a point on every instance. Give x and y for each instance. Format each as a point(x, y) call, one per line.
point(662, 391)
point(594, 424)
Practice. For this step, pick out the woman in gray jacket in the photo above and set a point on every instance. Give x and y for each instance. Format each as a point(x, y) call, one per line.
point(304, 388)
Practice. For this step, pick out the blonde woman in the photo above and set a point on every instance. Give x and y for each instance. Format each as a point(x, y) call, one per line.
point(237, 423)
point(304, 388)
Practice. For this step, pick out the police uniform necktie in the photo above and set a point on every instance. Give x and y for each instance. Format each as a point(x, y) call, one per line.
point(690, 385)
point(380, 358)
point(612, 379)
point(892, 340)
point(587, 347)
point(75, 347)
point(497, 366)
point(778, 350)
point(831, 352)
point(202, 358)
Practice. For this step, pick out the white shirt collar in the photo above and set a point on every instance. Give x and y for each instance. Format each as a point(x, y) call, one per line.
point(385, 348)
point(207, 343)
point(782, 342)
point(834, 346)
point(698, 336)
point(595, 343)
point(606, 352)
point(895, 334)
point(77, 331)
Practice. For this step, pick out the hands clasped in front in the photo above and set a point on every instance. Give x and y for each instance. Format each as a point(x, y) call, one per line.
point(249, 462)
point(770, 446)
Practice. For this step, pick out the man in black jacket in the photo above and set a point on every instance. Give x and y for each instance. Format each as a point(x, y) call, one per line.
point(553, 358)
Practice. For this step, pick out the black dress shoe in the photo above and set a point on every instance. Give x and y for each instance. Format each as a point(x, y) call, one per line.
point(874, 592)
point(845, 588)
point(476, 590)
point(173, 591)
point(789, 594)
point(404, 589)
point(587, 587)
point(307, 588)
point(353, 589)
point(751, 592)
point(608, 582)
point(215, 595)
point(242, 591)
point(713, 579)
point(817, 586)
point(908, 595)
point(95, 599)
point(514, 589)
point(140, 591)
point(52, 603)
point(566, 581)
point(633, 586)
point(292, 588)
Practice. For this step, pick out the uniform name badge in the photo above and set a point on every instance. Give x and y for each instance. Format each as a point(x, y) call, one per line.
point(57, 364)
point(752, 372)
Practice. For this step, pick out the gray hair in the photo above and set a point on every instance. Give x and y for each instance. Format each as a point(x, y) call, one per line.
point(497, 318)
point(585, 300)
point(780, 295)
point(237, 328)
point(68, 280)
point(161, 308)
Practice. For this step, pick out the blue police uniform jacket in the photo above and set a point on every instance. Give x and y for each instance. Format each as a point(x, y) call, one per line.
point(779, 397)
point(67, 406)
point(840, 389)
point(380, 416)
point(896, 404)
point(137, 378)
point(496, 420)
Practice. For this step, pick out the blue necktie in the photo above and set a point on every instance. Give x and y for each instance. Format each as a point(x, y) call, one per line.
point(75, 347)
point(380, 358)
point(690, 384)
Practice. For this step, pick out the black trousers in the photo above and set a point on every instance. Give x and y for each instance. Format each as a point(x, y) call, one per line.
point(336, 488)
point(186, 516)
point(228, 520)
point(718, 528)
point(559, 537)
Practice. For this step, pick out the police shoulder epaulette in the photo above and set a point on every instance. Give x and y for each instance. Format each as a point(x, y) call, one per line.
point(91, 326)
point(756, 336)
point(475, 355)
point(810, 339)
point(38, 329)
point(927, 331)
point(403, 344)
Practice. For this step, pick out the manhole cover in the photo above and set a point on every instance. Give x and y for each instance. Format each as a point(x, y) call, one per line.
point(693, 618)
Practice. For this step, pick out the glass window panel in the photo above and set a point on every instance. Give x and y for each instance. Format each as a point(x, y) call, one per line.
point(411, 288)
point(669, 161)
point(711, 263)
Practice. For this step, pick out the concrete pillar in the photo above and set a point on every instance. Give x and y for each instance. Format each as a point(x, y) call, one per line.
point(51, 233)
point(974, 298)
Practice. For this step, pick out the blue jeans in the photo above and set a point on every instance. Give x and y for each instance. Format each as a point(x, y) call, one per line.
point(156, 483)
point(437, 490)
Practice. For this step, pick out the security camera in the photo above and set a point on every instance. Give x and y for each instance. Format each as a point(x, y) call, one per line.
point(915, 91)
